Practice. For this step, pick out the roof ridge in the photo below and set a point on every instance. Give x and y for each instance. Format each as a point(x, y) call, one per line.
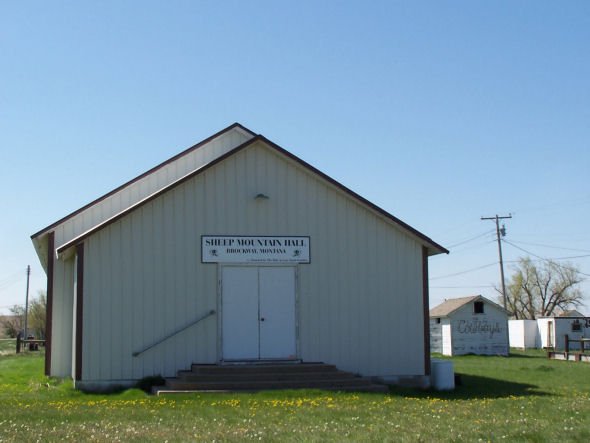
point(231, 152)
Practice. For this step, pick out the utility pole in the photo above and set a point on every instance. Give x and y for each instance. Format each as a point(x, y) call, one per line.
point(501, 232)
point(27, 301)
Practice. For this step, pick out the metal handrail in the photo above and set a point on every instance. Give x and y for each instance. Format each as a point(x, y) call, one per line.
point(203, 317)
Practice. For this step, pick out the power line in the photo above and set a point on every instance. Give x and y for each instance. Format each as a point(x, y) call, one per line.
point(464, 272)
point(11, 277)
point(546, 259)
point(470, 239)
point(471, 248)
point(559, 203)
point(571, 257)
point(550, 246)
point(8, 283)
point(461, 287)
point(10, 306)
point(457, 227)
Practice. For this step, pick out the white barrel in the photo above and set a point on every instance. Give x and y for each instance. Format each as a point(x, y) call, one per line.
point(442, 375)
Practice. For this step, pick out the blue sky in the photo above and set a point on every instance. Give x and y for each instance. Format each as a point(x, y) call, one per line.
point(439, 112)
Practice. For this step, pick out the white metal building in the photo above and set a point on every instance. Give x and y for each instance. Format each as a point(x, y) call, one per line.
point(234, 250)
point(549, 332)
point(523, 334)
point(552, 331)
point(469, 325)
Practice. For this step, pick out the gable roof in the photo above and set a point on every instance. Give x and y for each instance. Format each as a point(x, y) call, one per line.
point(433, 247)
point(571, 313)
point(139, 177)
point(451, 305)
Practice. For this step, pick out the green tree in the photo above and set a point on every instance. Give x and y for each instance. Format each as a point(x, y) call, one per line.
point(15, 322)
point(37, 309)
point(542, 290)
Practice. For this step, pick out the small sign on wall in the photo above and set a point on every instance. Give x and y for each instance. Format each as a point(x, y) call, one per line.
point(254, 249)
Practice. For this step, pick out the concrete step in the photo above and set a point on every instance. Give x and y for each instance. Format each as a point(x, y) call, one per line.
point(259, 385)
point(191, 376)
point(251, 377)
point(260, 368)
point(162, 390)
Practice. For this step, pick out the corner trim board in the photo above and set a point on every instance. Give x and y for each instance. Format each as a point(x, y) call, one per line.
point(426, 310)
point(49, 307)
point(79, 309)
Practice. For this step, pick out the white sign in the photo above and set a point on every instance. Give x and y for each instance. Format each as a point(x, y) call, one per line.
point(250, 249)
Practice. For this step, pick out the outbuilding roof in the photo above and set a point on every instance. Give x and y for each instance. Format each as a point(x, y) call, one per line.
point(451, 305)
point(571, 313)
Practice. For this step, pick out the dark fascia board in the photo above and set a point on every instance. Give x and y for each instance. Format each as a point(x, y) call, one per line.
point(363, 200)
point(139, 177)
point(153, 196)
point(558, 317)
point(433, 247)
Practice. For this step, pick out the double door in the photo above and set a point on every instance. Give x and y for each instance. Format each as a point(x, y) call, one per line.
point(258, 312)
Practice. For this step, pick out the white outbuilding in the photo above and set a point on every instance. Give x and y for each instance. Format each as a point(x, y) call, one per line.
point(523, 334)
point(549, 332)
point(235, 250)
point(553, 330)
point(469, 325)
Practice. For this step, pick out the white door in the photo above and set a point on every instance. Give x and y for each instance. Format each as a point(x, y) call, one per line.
point(258, 308)
point(277, 312)
point(240, 312)
point(550, 334)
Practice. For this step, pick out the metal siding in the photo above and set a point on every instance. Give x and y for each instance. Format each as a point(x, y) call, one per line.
point(447, 337)
point(563, 326)
point(61, 345)
point(435, 336)
point(359, 300)
point(523, 334)
point(517, 334)
point(479, 342)
point(543, 325)
point(63, 270)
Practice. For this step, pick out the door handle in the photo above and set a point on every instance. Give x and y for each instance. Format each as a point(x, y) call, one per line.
point(261, 318)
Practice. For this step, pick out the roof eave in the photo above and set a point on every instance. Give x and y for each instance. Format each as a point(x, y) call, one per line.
point(432, 247)
point(53, 225)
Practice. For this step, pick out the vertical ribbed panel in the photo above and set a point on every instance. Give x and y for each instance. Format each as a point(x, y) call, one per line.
point(61, 334)
point(359, 301)
point(483, 334)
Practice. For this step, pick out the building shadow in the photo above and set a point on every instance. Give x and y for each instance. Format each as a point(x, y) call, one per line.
point(469, 387)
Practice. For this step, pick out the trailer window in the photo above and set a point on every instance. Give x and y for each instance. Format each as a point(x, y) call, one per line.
point(576, 326)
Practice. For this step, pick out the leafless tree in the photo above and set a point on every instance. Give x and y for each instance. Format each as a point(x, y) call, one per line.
point(544, 290)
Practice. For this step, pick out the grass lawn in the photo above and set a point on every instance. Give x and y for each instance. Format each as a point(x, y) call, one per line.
point(525, 397)
point(7, 346)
